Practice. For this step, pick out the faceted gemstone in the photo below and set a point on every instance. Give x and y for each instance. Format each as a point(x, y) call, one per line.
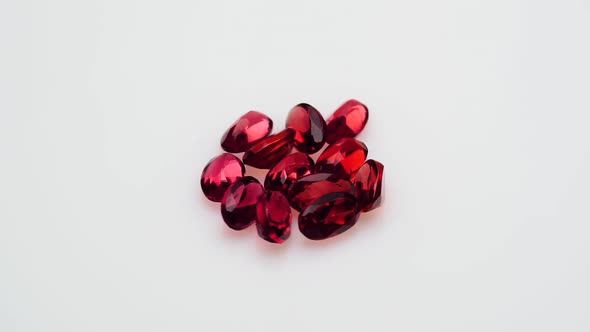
point(273, 217)
point(238, 206)
point(367, 182)
point(219, 174)
point(347, 121)
point(248, 129)
point(287, 171)
point(311, 187)
point(342, 158)
point(268, 151)
point(309, 126)
point(329, 216)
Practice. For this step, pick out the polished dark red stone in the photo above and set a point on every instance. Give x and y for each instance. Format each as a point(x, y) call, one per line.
point(342, 158)
point(367, 182)
point(311, 187)
point(347, 121)
point(238, 207)
point(273, 217)
point(287, 171)
point(268, 151)
point(219, 174)
point(309, 126)
point(248, 129)
point(328, 216)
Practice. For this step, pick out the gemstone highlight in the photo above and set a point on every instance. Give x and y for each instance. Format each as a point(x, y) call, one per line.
point(287, 171)
point(219, 174)
point(328, 216)
point(248, 129)
point(309, 126)
point(367, 182)
point(268, 151)
point(347, 121)
point(273, 217)
point(311, 187)
point(342, 158)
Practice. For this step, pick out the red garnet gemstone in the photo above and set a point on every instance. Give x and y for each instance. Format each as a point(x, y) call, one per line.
point(367, 182)
point(248, 129)
point(328, 216)
point(287, 171)
point(268, 151)
point(309, 126)
point(311, 187)
point(347, 121)
point(273, 217)
point(219, 174)
point(342, 158)
point(238, 206)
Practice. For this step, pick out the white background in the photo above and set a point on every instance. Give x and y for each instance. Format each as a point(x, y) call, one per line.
point(480, 111)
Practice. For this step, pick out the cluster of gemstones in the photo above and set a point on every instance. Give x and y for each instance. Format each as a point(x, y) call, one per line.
point(329, 194)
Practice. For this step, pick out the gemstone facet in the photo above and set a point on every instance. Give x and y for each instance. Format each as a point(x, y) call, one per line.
point(273, 217)
point(343, 157)
point(367, 182)
point(269, 150)
point(238, 207)
point(219, 174)
point(311, 187)
point(328, 216)
point(248, 129)
point(287, 171)
point(309, 126)
point(347, 121)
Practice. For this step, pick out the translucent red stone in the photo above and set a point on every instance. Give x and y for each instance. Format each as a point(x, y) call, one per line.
point(287, 171)
point(269, 150)
point(328, 216)
point(311, 187)
point(238, 207)
point(273, 217)
point(248, 129)
point(342, 158)
point(309, 126)
point(347, 121)
point(219, 174)
point(367, 182)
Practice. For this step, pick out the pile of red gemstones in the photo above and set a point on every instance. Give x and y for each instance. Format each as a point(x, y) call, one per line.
point(329, 193)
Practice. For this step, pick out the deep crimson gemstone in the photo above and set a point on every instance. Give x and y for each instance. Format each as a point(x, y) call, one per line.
point(247, 129)
point(347, 121)
point(238, 206)
point(329, 216)
point(309, 126)
point(268, 151)
point(342, 158)
point(287, 171)
point(367, 183)
point(273, 217)
point(311, 187)
point(219, 174)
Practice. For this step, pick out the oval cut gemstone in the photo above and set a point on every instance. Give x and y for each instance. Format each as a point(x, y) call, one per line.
point(329, 216)
point(311, 187)
point(309, 126)
point(342, 158)
point(269, 150)
point(247, 129)
point(273, 217)
point(238, 207)
point(347, 121)
point(287, 171)
point(219, 174)
point(367, 183)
